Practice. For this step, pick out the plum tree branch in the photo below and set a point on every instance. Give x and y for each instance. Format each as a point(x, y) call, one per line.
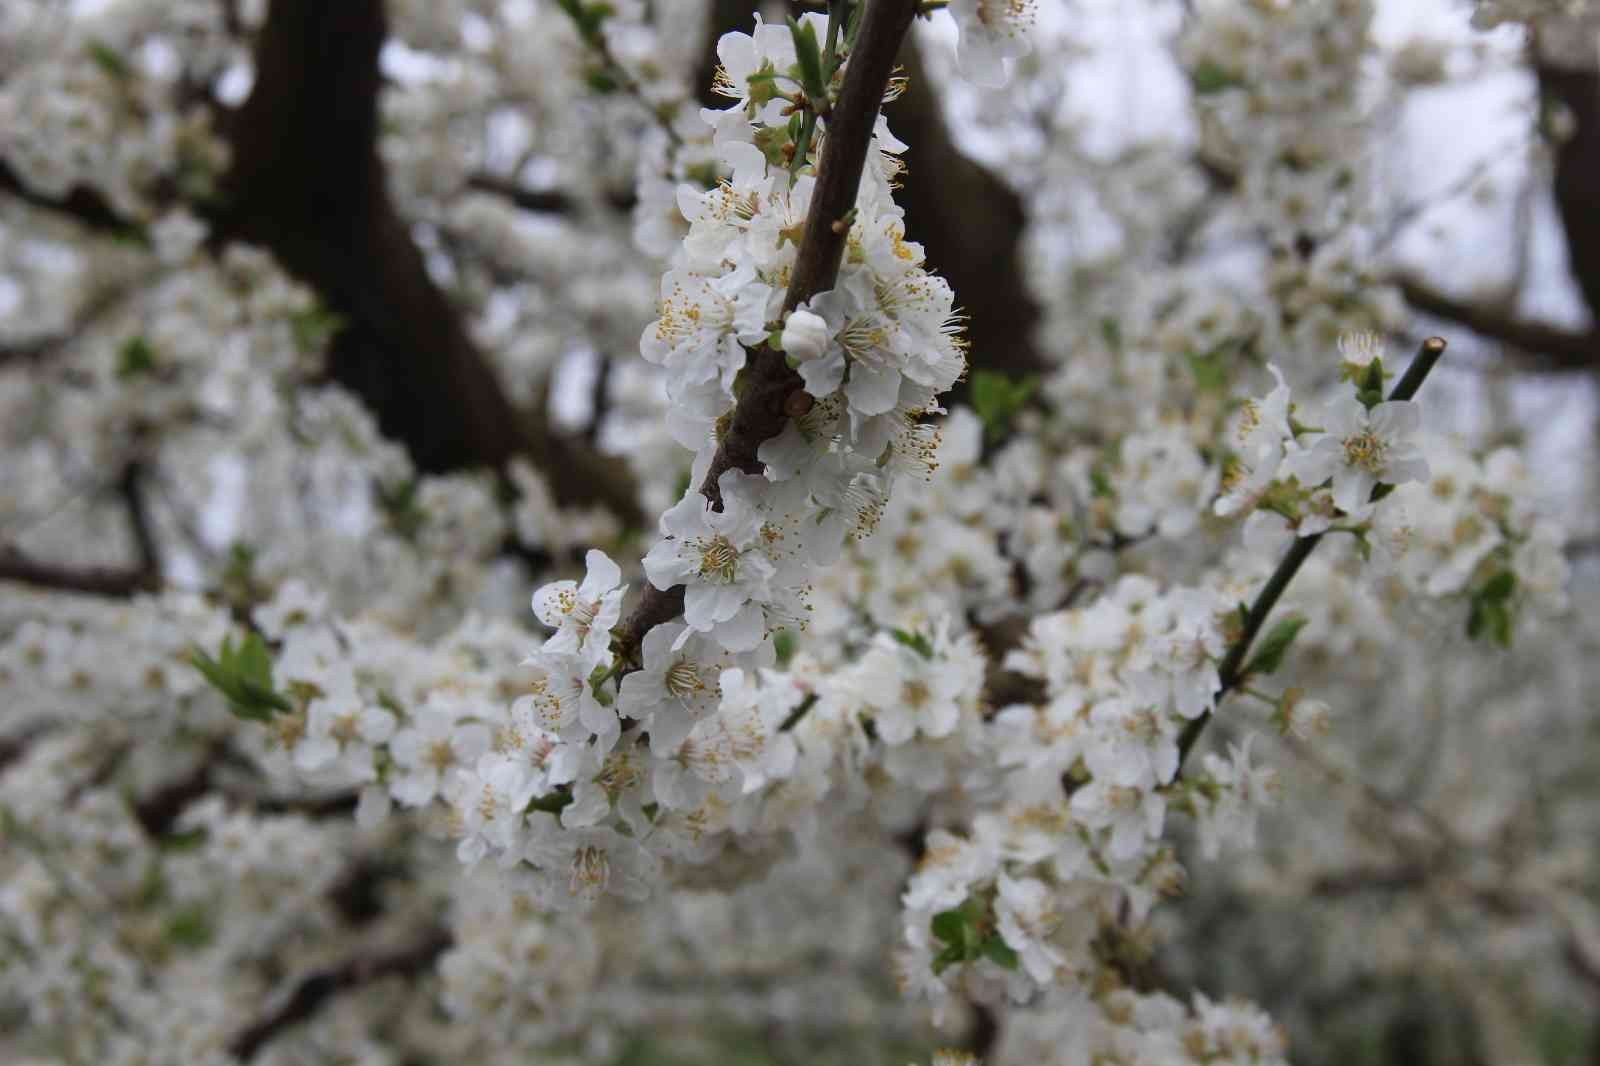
point(314, 990)
point(768, 380)
point(81, 205)
point(1553, 347)
point(112, 582)
point(1231, 672)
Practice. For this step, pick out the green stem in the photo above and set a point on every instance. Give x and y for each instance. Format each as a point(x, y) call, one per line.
point(815, 108)
point(1231, 670)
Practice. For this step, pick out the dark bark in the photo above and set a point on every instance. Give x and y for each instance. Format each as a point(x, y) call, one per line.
point(1551, 348)
point(307, 182)
point(113, 582)
point(1577, 172)
point(314, 990)
point(768, 382)
point(970, 224)
point(967, 220)
point(82, 205)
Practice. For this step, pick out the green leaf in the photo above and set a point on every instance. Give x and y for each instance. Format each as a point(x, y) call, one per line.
point(187, 840)
point(243, 675)
point(1210, 370)
point(314, 327)
point(1100, 483)
point(808, 54)
point(997, 400)
point(550, 804)
point(1490, 614)
point(1212, 77)
point(762, 86)
point(1111, 330)
point(1274, 646)
point(601, 80)
point(915, 641)
point(772, 140)
point(1370, 388)
point(995, 949)
point(784, 645)
point(136, 357)
point(109, 61)
point(948, 957)
point(588, 18)
point(1500, 586)
point(190, 927)
point(949, 926)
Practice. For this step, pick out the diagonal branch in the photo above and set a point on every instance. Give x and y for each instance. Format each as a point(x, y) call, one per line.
point(82, 205)
point(769, 383)
point(314, 990)
point(1555, 348)
point(1232, 670)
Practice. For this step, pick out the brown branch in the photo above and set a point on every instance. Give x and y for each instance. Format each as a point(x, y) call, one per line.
point(81, 205)
point(1554, 348)
point(130, 486)
point(1234, 669)
point(539, 201)
point(768, 381)
point(969, 222)
point(112, 582)
point(1574, 84)
point(314, 990)
point(307, 183)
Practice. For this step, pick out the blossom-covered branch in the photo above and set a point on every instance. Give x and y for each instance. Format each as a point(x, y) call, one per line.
point(1231, 672)
point(771, 393)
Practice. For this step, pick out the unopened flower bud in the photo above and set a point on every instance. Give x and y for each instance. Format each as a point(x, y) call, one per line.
point(805, 336)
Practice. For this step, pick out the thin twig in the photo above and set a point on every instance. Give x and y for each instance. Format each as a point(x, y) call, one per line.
point(112, 582)
point(314, 990)
point(1231, 671)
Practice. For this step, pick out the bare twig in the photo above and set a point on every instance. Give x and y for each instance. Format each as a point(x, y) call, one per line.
point(81, 205)
point(130, 486)
point(113, 582)
point(1557, 349)
point(313, 991)
point(540, 201)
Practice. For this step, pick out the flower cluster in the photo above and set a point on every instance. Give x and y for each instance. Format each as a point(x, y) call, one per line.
point(874, 352)
point(1027, 893)
point(1290, 477)
point(962, 690)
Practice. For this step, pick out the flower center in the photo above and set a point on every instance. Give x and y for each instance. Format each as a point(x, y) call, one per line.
point(683, 680)
point(591, 871)
point(719, 559)
point(866, 342)
point(1366, 451)
point(439, 755)
point(344, 729)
